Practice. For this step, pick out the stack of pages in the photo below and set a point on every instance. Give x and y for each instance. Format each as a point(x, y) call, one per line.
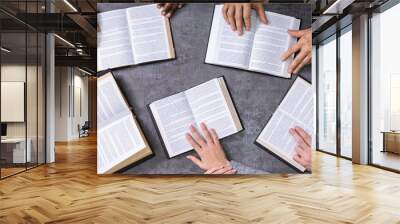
point(120, 139)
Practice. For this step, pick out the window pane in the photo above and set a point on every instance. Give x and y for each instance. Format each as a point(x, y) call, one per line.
point(327, 96)
point(15, 150)
point(385, 88)
point(345, 94)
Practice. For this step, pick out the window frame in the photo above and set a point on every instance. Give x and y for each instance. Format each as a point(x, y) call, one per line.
point(378, 10)
point(27, 29)
point(333, 37)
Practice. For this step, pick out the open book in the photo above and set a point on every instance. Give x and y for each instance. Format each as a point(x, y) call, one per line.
point(120, 141)
point(296, 109)
point(209, 102)
point(259, 49)
point(133, 36)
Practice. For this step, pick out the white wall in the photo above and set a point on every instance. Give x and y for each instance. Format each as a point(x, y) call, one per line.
point(62, 81)
point(13, 101)
point(33, 126)
point(16, 73)
point(80, 84)
point(70, 83)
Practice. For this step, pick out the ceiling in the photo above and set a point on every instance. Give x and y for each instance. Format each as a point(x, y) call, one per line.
point(332, 15)
point(74, 22)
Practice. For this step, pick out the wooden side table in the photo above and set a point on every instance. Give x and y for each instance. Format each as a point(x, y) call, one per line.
point(391, 141)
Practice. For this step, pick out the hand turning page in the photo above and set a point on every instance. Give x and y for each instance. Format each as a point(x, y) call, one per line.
point(259, 49)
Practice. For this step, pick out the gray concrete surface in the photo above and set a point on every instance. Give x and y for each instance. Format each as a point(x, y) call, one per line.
point(256, 95)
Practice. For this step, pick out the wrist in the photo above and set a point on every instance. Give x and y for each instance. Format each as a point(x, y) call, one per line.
point(227, 163)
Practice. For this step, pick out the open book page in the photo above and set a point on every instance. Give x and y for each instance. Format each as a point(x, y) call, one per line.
point(270, 42)
point(110, 103)
point(150, 34)
point(226, 47)
point(296, 109)
point(120, 140)
point(173, 117)
point(113, 41)
point(118, 134)
point(208, 105)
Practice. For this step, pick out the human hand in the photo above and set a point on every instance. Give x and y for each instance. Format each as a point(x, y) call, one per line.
point(303, 150)
point(167, 9)
point(208, 148)
point(235, 14)
point(303, 46)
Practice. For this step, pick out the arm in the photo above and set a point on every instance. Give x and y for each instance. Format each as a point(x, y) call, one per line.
point(167, 9)
point(302, 155)
point(234, 168)
point(243, 169)
point(212, 156)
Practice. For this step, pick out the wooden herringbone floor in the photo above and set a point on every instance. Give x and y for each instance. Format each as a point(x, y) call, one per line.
point(69, 191)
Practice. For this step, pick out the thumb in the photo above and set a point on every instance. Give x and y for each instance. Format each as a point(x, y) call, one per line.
point(261, 13)
point(196, 161)
point(296, 33)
